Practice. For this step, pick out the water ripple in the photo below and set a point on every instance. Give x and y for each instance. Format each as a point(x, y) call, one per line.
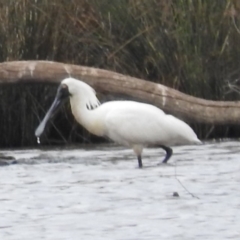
point(99, 193)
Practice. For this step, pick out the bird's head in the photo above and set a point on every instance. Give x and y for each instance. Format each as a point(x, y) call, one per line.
point(69, 87)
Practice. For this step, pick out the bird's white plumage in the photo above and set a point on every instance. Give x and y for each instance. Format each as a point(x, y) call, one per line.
point(127, 122)
point(130, 123)
point(147, 125)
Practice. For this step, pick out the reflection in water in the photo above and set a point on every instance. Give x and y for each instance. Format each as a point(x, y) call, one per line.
point(100, 193)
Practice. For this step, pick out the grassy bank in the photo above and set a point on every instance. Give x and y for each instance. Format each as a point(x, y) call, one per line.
point(192, 46)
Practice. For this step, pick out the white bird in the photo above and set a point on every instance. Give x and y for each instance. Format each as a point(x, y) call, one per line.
point(133, 124)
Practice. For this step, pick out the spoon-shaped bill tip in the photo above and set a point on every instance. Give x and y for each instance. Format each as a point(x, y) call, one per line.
point(40, 129)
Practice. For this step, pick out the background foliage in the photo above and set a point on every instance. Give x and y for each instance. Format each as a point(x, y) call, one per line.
point(190, 45)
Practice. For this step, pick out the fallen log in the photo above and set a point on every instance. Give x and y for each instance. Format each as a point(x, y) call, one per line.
point(184, 106)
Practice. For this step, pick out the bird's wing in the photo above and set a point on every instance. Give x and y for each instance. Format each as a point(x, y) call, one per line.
point(147, 125)
point(129, 126)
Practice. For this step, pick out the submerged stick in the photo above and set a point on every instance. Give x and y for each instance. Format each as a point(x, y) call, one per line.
point(175, 168)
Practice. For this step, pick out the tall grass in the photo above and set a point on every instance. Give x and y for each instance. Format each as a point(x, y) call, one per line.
point(189, 45)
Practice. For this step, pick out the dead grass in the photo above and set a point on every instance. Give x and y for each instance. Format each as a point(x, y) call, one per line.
point(189, 45)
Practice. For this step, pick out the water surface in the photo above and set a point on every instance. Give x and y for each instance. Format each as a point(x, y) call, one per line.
point(99, 193)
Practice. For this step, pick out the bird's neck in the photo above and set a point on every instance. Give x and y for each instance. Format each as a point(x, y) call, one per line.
point(87, 116)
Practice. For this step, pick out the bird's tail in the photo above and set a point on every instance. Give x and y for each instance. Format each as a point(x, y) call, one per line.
point(197, 142)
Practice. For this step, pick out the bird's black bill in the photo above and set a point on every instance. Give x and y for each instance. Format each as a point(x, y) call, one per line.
point(62, 94)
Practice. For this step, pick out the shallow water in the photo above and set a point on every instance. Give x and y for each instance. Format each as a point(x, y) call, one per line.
point(99, 193)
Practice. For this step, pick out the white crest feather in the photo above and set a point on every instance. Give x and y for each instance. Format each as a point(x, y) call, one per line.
point(85, 93)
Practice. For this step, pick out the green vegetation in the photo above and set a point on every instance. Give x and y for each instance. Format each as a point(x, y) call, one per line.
point(190, 45)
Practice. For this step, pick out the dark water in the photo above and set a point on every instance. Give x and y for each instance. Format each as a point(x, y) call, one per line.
point(100, 193)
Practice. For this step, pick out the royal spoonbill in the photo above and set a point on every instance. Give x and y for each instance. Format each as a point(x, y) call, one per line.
point(133, 124)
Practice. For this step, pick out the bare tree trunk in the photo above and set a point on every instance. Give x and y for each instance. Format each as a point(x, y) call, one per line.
point(179, 104)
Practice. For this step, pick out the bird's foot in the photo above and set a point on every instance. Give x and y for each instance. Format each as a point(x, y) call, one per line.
point(165, 164)
point(157, 165)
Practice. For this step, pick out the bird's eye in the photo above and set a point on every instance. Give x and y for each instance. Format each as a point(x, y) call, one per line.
point(64, 86)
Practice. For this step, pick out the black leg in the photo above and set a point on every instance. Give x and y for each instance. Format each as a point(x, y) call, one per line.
point(139, 161)
point(169, 153)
